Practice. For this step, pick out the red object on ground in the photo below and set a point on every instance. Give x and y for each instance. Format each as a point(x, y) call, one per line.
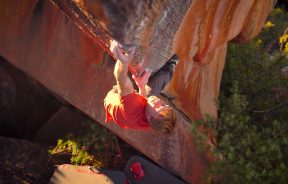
point(137, 170)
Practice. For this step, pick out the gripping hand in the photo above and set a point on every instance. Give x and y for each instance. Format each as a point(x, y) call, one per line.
point(124, 56)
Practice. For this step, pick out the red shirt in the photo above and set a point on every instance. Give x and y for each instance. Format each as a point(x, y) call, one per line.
point(127, 111)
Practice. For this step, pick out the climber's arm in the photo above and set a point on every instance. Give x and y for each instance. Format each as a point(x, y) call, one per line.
point(124, 84)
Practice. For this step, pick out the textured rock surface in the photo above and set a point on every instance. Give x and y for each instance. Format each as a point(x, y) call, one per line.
point(38, 38)
point(151, 25)
point(202, 53)
point(22, 161)
point(197, 30)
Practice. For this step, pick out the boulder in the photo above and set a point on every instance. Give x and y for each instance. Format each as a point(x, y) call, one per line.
point(54, 42)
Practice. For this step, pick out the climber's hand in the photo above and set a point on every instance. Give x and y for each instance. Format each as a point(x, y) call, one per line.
point(124, 56)
point(142, 80)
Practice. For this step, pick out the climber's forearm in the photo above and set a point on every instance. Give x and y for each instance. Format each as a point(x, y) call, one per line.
point(123, 82)
point(120, 72)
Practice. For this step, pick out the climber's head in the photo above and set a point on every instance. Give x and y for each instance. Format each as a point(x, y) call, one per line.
point(159, 115)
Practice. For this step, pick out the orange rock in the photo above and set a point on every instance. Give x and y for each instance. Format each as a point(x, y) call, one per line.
point(201, 42)
point(42, 40)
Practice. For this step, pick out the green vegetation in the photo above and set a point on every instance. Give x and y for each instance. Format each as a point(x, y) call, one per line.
point(252, 127)
point(98, 147)
point(79, 155)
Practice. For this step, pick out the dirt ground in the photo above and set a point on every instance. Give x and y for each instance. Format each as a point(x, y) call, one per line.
point(24, 162)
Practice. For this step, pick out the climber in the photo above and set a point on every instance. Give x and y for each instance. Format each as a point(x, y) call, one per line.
point(133, 110)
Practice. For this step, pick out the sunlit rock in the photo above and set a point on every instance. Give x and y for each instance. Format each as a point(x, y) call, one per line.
point(49, 41)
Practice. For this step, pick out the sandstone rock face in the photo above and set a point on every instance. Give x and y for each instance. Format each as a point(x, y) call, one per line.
point(197, 30)
point(39, 38)
point(202, 53)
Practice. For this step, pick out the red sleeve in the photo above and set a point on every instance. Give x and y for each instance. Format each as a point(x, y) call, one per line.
point(133, 103)
point(127, 111)
point(133, 109)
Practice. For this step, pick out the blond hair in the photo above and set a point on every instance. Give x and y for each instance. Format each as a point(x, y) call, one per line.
point(165, 124)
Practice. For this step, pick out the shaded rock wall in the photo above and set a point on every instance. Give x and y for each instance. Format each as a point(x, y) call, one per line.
point(37, 37)
point(24, 105)
point(151, 25)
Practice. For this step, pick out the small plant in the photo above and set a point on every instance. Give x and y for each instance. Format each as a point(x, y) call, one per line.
point(97, 147)
point(283, 41)
point(79, 155)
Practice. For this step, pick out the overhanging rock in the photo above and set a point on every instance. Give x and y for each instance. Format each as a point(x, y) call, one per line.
point(39, 38)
